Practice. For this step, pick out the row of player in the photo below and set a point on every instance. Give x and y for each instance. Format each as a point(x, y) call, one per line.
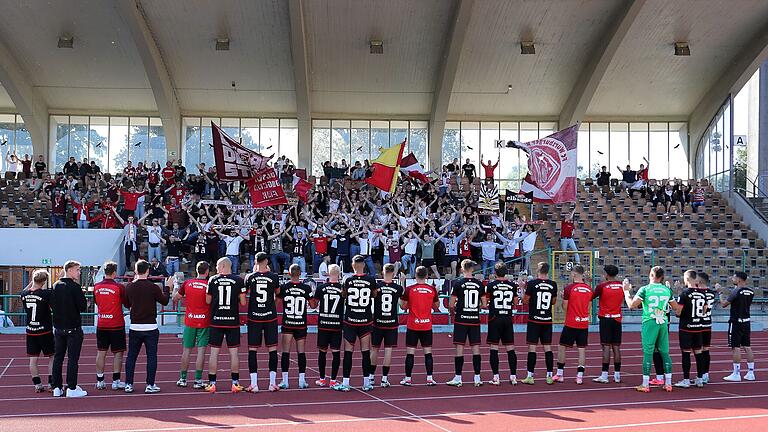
point(345, 316)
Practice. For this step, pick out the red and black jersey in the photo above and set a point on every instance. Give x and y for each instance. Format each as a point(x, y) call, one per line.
point(695, 309)
point(110, 298)
point(579, 297)
point(385, 305)
point(421, 299)
point(359, 292)
point(467, 292)
point(611, 294)
point(295, 297)
point(502, 298)
point(330, 306)
point(263, 288)
point(225, 304)
point(37, 305)
point(542, 294)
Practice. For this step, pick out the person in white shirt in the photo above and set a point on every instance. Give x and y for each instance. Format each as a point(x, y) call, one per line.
point(529, 243)
point(410, 243)
point(232, 242)
point(155, 239)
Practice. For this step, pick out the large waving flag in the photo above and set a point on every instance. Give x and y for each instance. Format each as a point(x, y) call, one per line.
point(385, 168)
point(302, 187)
point(551, 174)
point(233, 161)
point(409, 165)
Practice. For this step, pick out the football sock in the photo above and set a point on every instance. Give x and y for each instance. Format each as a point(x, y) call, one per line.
point(36, 380)
point(686, 365)
point(302, 363)
point(736, 368)
point(335, 363)
point(212, 378)
point(428, 364)
point(580, 371)
point(605, 367)
point(254, 379)
point(321, 361)
point(253, 364)
point(408, 365)
point(549, 360)
point(512, 360)
point(384, 373)
point(273, 361)
point(646, 379)
point(116, 376)
point(531, 364)
point(198, 375)
point(617, 366)
point(667, 379)
point(658, 364)
point(100, 377)
point(235, 377)
point(560, 367)
point(476, 365)
point(494, 360)
point(347, 366)
point(285, 361)
point(751, 366)
point(366, 367)
point(458, 365)
point(699, 364)
point(272, 377)
point(285, 377)
point(707, 359)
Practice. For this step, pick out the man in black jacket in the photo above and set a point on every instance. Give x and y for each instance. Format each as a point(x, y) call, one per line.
point(67, 303)
point(141, 296)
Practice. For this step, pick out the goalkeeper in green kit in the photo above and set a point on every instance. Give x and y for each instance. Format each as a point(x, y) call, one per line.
point(656, 299)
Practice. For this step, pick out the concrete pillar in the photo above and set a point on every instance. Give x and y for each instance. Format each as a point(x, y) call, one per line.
point(305, 145)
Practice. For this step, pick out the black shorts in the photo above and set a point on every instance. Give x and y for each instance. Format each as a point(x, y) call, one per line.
point(448, 259)
point(386, 335)
point(428, 262)
point(690, 340)
point(37, 344)
point(706, 338)
point(501, 329)
point(610, 331)
point(462, 332)
point(571, 335)
point(415, 337)
point(264, 331)
point(218, 334)
point(329, 339)
point(353, 332)
point(538, 333)
point(298, 333)
point(739, 334)
point(114, 339)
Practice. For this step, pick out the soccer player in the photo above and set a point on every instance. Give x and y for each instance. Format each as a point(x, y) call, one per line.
point(359, 290)
point(540, 296)
point(577, 297)
point(739, 328)
point(36, 300)
point(386, 323)
point(611, 296)
point(692, 307)
point(327, 300)
point(197, 319)
point(110, 327)
point(706, 333)
point(419, 300)
point(263, 286)
point(225, 292)
point(656, 299)
point(295, 296)
point(501, 299)
point(465, 310)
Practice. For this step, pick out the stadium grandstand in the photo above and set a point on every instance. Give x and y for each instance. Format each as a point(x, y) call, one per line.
point(572, 194)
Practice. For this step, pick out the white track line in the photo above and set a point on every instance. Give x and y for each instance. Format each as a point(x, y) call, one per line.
point(6, 367)
point(441, 415)
point(666, 422)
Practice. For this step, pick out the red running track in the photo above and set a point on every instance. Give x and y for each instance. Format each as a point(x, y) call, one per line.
point(719, 407)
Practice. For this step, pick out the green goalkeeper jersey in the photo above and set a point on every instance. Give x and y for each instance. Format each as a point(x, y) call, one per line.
point(655, 298)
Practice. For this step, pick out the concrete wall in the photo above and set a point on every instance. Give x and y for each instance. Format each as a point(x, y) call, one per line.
point(30, 246)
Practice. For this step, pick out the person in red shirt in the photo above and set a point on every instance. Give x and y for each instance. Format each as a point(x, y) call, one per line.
point(577, 298)
point(489, 168)
point(130, 201)
point(611, 296)
point(168, 173)
point(419, 300)
point(177, 192)
point(197, 318)
point(110, 327)
point(320, 239)
point(566, 236)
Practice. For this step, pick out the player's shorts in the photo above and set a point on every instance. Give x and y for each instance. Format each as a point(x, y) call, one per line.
point(353, 332)
point(297, 333)
point(570, 336)
point(219, 334)
point(610, 331)
point(448, 259)
point(690, 340)
point(386, 335)
point(706, 338)
point(265, 332)
point(500, 329)
point(427, 262)
point(37, 344)
point(195, 337)
point(329, 339)
point(538, 333)
point(462, 332)
point(106, 339)
point(415, 337)
point(739, 334)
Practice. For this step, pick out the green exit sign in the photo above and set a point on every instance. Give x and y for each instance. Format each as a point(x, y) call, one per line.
point(47, 261)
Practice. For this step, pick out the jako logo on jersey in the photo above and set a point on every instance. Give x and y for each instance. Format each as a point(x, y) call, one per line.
point(422, 321)
point(196, 316)
point(110, 316)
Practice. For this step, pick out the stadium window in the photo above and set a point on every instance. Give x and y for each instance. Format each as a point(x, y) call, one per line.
point(619, 145)
point(379, 136)
point(678, 150)
point(360, 138)
point(470, 143)
point(249, 133)
point(157, 148)
point(509, 165)
point(418, 139)
point(658, 160)
point(638, 144)
point(98, 142)
point(138, 140)
point(340, 142)
point(321, 145)
point(582, 153)
point(398, 131)
point(599, 148)
point(191, 147)
point(451, 142)
point(289, 139)
point(118, 144)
